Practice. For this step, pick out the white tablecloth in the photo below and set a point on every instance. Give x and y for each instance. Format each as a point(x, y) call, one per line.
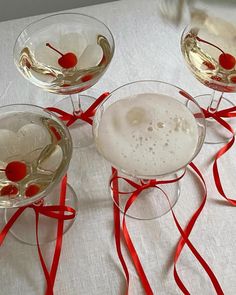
point(146, 48)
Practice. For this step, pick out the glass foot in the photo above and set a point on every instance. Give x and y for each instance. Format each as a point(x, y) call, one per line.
point(24, 228)
point(151, 203)
point(215, 133)
point(81, 132)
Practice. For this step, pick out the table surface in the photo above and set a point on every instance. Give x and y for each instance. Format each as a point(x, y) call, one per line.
point(146, 48)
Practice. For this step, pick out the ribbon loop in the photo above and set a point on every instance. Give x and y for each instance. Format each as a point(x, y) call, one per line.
point(184, 233)
point(59, 212)
point(83, 115)
point(218, 116)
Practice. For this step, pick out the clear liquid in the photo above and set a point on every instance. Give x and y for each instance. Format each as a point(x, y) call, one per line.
point(59, 80)
point(37, 141)
point(203, 58)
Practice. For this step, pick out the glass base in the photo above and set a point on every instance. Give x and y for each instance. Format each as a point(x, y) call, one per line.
point(215, 133)
point(81, 132)
point(24, 228)
point(151, 203)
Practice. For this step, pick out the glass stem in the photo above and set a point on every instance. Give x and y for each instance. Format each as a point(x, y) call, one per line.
point(76, 104)
point(215, 101)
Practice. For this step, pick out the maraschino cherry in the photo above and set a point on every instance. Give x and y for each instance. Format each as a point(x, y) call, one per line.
point(32, 190)
point(67, 60)
point(9, 190)
point(15, 171)
point(233, 79)
point(226, 60)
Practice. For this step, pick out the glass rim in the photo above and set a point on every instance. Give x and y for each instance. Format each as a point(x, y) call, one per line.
point(217, 83)
point(172, 171)
point(49, 188)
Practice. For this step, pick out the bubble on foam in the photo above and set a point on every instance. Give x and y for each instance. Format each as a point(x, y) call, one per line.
point(136, 115)
point(150, 129)
point(160, 125)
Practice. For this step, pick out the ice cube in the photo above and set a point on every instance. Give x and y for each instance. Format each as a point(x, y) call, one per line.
point(46, 55)
point(8, 144)
point(91, 57)
point(32, 138)
point(53, 161)
point(72, 42)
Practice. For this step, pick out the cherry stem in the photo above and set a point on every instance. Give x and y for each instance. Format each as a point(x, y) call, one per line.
point(2, 169)
point(50, 46)
point(209, 43)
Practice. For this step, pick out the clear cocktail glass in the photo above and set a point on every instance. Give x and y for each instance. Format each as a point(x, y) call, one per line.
point(149, 131)
point(66, 54)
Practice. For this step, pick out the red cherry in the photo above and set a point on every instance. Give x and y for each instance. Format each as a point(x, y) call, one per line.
point(32, 190)
point(216, 78)
point(15, 171)
point(209, 65)
point(233, 79)
point(227, 61)
point(67, 60)
point(87, 78)
point(8, 190)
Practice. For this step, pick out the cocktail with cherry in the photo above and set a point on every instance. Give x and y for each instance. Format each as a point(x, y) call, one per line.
point(35, 151)
point(66, 54)
point(209, 47)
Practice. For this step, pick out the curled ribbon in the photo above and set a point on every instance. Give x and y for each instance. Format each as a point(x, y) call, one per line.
point(218, 116)
point(59, 212)
point(84, 116)
point(184, 233)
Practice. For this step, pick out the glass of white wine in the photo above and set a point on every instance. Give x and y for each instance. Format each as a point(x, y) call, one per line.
point(35, 152)
point(146, 131)
point(208, 45)
point(66, 54)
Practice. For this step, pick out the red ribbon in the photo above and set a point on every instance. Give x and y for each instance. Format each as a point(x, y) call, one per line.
point(226, 113)
point(59, 212)
point(184, 233)
point(84, 116)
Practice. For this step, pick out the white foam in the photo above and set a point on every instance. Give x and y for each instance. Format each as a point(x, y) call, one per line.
point(138, 135)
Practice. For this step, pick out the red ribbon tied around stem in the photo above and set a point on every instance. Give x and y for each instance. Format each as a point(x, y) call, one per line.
point(83, 115)
point(138, 188)
point(60, 212)
point(218, 116)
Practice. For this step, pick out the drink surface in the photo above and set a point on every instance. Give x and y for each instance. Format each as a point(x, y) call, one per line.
point(147, 134)
point(39, 63)
point(38, 143)
point(204, 59)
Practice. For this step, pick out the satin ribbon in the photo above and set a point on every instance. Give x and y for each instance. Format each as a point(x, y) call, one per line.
point(59, 212)
point(218, 116)
point(184, 232)
point(84, 116)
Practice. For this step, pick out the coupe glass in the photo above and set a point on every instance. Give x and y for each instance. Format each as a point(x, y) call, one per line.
point(66, 54)
point(35, 151)
point(208, 45)
point(146, 131)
